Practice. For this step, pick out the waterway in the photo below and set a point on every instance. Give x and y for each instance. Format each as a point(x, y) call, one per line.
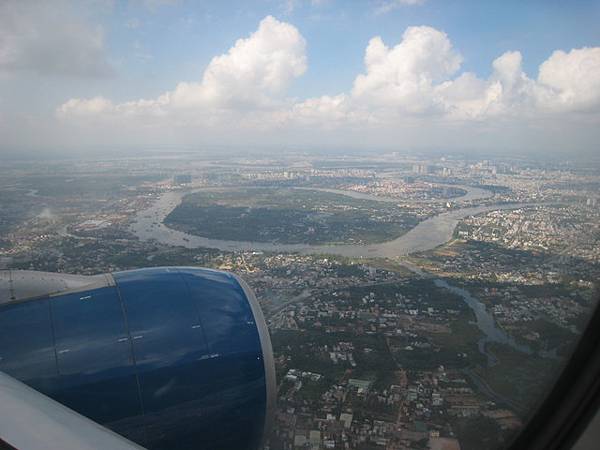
point(427, 235)
point(486, 323)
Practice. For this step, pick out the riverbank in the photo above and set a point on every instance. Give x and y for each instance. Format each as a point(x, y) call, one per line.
point(428, 234)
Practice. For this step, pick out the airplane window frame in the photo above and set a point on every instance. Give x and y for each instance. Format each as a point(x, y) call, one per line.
point(574, 399)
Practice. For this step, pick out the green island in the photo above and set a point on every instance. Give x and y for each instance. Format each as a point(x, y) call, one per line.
point(289, 216)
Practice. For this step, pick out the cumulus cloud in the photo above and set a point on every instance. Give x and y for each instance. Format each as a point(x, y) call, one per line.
point(420, 77)
point(327, 111)
point(507, 91)
point(92, 106)
point(47, 39)
point(252, 74)
point(566, 82)
point(571, 80)
point(252, 71)
point(403, 76)
point(416, 81)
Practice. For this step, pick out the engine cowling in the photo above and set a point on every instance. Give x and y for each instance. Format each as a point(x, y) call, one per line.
point(171, 357)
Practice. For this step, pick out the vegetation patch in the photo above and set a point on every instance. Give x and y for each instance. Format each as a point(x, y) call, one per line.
point(289, 216)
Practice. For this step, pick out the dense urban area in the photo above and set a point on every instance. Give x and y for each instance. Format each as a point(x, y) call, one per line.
point(436, 337)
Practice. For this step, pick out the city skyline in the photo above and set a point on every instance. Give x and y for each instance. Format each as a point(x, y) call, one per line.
point(412, 302)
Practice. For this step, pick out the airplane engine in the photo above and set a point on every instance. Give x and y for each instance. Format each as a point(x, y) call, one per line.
point(172, 357)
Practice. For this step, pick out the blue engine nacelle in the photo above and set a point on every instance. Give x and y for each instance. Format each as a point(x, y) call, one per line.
point(170, 358)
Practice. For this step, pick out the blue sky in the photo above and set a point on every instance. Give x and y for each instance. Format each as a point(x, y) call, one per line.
point(181, 38)
point(76, 71)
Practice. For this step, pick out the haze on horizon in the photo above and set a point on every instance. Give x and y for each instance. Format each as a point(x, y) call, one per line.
point(83, 77)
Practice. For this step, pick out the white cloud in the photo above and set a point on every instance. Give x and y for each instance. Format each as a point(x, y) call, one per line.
point(567, 82)
point(403, 76)
point(252, 71)
point(326, 111)
point(403, 87)
point(571, 80)
point(46, 38)
point(252, 74)
point(85, 107)
point(508, 91)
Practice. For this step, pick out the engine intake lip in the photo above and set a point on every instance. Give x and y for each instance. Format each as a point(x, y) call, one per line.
point(268, 360)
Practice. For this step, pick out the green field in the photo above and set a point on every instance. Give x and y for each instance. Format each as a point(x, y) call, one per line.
point(522, 378)
point(289, 216)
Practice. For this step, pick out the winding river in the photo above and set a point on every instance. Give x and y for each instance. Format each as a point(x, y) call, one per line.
point(427, 235)
point(486, 324)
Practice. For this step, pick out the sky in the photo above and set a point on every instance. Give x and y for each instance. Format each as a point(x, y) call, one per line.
point(92, 76)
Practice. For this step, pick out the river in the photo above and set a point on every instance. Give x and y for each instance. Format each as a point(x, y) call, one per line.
point(426, 235)
point(486, 323)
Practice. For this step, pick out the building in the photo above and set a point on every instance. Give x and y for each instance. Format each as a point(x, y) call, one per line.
point(184, 178)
